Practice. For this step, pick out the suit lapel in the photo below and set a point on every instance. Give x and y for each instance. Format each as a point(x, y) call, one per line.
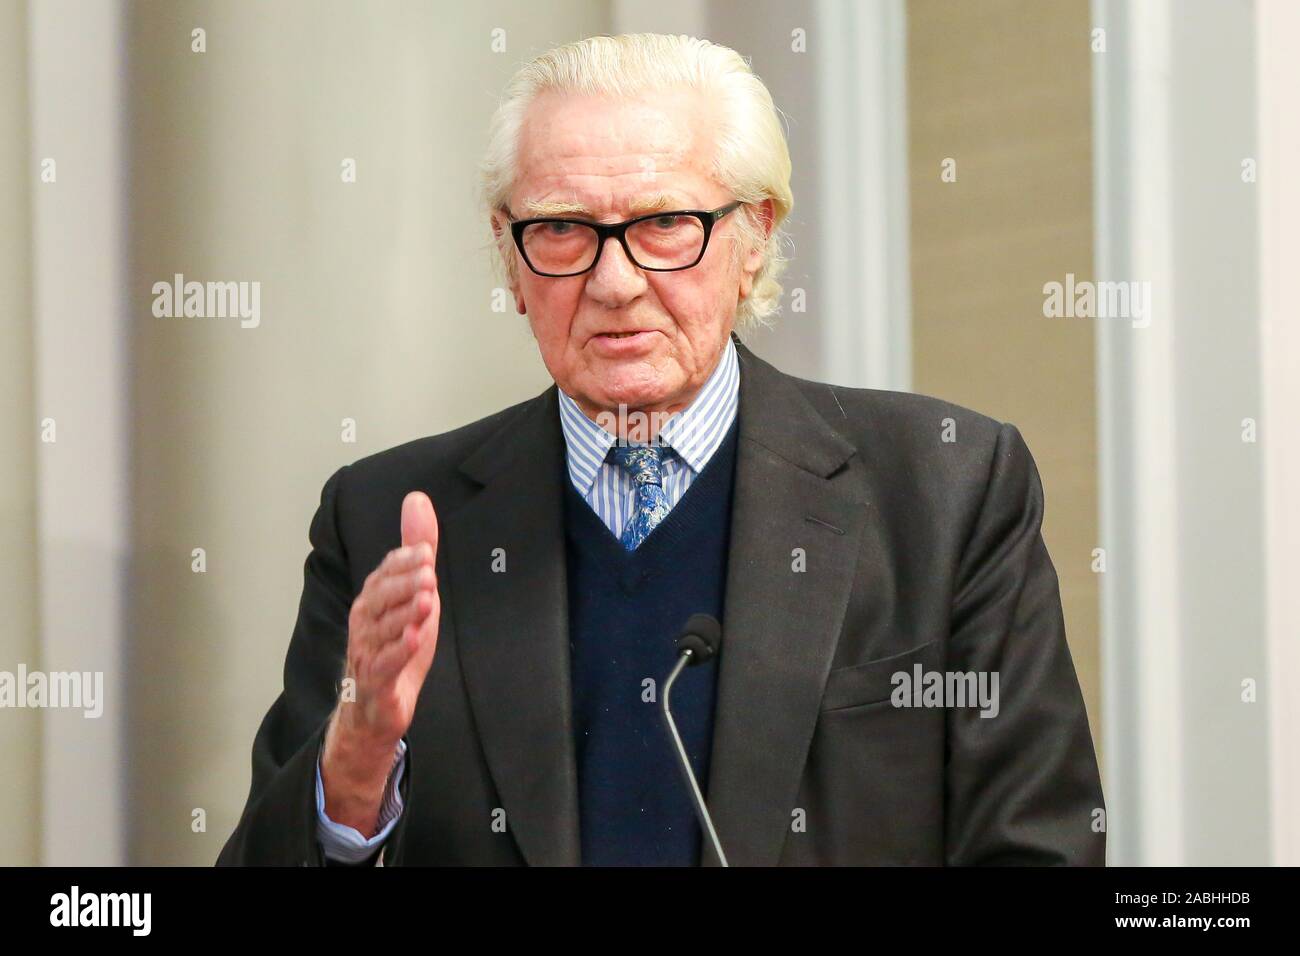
point(780, 625)
point(506, 559)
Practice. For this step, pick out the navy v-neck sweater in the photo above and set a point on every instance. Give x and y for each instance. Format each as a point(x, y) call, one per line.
point(626, 610)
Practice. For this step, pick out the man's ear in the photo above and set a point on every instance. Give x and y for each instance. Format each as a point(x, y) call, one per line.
point(499, 227)
point(765, 214)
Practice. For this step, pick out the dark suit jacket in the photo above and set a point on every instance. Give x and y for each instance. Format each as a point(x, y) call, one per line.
point(917, 551)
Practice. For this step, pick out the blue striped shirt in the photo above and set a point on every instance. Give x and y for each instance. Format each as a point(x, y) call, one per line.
point(692, 435)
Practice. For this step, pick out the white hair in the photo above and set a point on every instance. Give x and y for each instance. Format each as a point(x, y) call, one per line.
point(752, 160)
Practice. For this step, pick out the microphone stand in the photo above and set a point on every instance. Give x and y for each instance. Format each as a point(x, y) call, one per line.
point(701, 811)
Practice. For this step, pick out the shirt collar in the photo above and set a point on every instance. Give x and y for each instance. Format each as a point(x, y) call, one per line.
point(694, 433)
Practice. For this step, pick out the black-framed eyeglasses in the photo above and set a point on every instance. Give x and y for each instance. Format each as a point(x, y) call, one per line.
point(657, 242)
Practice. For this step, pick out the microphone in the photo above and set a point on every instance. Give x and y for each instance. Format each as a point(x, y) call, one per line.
point(698, 642)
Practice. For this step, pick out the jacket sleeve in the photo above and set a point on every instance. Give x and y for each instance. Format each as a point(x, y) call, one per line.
point(279, 823)
point(1022, 785)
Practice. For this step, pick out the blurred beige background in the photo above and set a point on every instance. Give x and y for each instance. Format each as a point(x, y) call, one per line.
point(377, 309)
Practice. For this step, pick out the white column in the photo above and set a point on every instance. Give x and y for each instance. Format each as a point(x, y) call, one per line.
point(82, 383)
point(20, 730)
point(863, 206)
point(1141, 662)
point(1183, 516)
point(1278, 38)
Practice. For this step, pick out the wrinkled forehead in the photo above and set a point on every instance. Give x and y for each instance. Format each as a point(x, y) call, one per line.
point(606, 157)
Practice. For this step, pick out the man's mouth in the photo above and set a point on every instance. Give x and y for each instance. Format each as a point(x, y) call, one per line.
point(623, 344)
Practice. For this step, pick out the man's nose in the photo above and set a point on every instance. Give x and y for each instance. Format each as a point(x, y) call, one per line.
point(616, 277)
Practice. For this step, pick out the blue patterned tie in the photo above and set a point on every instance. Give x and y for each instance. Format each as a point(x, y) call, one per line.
point(645, 464)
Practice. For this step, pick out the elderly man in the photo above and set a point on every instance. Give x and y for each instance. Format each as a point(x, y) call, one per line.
point(485, 689)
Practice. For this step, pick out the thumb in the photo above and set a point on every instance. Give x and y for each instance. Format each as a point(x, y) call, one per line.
point(418, 521)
